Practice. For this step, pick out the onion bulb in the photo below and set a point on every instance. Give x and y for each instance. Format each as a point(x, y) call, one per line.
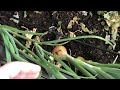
point(60, 52)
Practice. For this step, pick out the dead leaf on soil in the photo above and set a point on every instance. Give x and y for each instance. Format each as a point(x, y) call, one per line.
point(85, 29)
point(71, 34)
point(72, 22)
point(112, 19)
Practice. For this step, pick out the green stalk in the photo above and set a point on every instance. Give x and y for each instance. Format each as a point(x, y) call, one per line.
point(57, 73)
point(52, 65)
point(62, 70)
point(103, 73)
point(21, 59)
point(23, 37)
point(11, 40)
point(34, 55)
point(8, 56)
point(79, 67)
point(115, 72)
point(20, 31)
point(40, 49)
point(48, 58)
point(22, 46)
point(116, 76)
point(14, 55)
point(60, 61)
point(100, 75)
point(39, 62)
point(50, 44)
point(75, 38)
point(32, 59)
point(89, 68)
point(41, 54)
point(103, 65)
point(61, 40)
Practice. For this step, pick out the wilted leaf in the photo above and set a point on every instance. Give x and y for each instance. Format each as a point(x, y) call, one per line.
point(107, 37)
point(37, 38)
point(107, 16)
point(38, 12)
point(71, 34)
point(101, 12)
point(112, 19)
point(72, 22)
point(30, 35)
point(109, 23)
point(106, 27)
point(59, 29)
point(85, 29)
point(115, 30)
point(28, 43)
point(58, 64)
point(25, 14)
point(14, 20)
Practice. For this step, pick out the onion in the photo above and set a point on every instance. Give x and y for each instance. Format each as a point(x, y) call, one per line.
point(60, 52)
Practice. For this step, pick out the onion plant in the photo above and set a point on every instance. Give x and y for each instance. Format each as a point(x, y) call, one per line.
point(40, 56)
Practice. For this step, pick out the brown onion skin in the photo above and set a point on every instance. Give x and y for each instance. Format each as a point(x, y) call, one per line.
point(60, 52)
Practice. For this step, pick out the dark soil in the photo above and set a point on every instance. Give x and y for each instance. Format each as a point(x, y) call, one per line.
point(87, 48)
